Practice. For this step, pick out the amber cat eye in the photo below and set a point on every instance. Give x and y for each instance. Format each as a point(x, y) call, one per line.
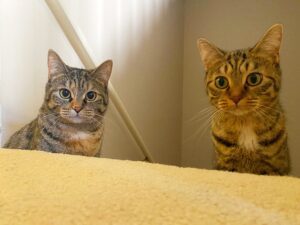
point(91, 96)
point(254, 79)
point(221, 82)
point(65, 93)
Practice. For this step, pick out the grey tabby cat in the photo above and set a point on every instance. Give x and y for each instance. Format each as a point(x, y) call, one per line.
point(71, 117)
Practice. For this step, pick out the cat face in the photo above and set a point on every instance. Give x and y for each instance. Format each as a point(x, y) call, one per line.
point(75, 95)
point(243, 81)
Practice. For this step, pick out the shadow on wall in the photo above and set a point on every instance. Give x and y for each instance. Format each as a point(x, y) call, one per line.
point(147, 73)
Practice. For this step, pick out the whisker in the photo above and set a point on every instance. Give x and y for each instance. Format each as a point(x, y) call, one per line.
point(270, 108)
point(206, 125)
point(203, 128)
point(265, 116)
point(199, 114)
point(43, 115)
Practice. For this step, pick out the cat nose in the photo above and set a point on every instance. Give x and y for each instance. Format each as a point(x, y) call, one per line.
point(236, 99)
point(77, 108)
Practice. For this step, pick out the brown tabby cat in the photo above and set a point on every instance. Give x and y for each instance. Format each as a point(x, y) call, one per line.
point(71, 117)
point(248, 129)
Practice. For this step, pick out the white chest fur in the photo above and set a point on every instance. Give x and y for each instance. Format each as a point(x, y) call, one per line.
point(248, 138)
point(80, 136)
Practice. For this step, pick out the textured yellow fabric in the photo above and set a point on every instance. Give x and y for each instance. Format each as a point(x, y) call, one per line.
point(43, 188)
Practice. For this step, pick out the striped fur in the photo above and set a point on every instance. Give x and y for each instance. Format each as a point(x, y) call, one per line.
point(248, 129)
point(72, 125)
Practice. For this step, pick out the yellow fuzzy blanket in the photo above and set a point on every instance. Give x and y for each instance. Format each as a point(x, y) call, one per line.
point(42, 188)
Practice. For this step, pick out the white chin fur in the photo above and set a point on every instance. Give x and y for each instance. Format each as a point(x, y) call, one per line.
point(76, 120)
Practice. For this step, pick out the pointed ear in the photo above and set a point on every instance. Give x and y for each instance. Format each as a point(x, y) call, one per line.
point(269, 44)
point(209, 53)
point(103, 71)
point(55, 64)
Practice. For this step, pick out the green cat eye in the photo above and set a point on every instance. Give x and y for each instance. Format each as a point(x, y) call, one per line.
point(91, 96)
point(64, 93)
point(254, 79)
point(221, 82)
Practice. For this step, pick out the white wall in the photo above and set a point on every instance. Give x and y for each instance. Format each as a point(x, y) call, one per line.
point(144, 39)
point(231, 25)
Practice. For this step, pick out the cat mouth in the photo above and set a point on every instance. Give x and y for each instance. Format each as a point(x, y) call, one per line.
point(240, 110)
point(74, 119)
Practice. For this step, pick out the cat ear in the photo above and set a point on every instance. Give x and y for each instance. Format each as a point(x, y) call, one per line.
point(209, 53)
point(103, 71)
point(269, 44)
point(55, 64)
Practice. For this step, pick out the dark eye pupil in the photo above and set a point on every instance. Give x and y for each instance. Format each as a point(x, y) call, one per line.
point(253, 79)
point(90, 95)
point(65, 93)
point(221, 81)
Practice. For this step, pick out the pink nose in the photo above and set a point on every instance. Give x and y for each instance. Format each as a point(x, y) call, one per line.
point(236, 99)
point(77, 108)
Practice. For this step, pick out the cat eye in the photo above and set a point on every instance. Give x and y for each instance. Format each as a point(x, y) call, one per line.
point(221, 82)
point(254, 79)
point(65, 93)
point(91, 96)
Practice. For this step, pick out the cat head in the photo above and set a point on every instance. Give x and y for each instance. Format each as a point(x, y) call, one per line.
point(244, 80)
point(76, 95)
